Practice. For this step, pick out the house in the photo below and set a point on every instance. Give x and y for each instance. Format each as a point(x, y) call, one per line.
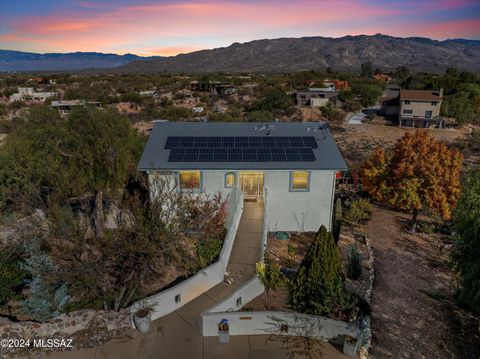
point(339, 84)
point(382, 77)
point(288, 167)
point(65, 106)
point(420, 109)
point(304, 98)
point(29, 94)
point(223, 89)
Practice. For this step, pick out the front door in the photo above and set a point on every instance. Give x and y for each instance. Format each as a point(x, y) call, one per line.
point(251, 184)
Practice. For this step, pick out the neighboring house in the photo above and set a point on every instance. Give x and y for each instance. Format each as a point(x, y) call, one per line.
point(197, 109)
point(420, 108)
point(65, 106)
point(339, 84)
point(149, 93)
point(289, 167)
point(304, 98)
point(383, 77)
point(224, 89)
point(29, 94)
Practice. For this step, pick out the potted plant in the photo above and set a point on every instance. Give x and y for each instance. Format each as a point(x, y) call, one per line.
point(142, 318)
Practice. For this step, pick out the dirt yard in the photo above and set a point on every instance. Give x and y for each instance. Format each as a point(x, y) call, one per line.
point(413, 313)
point(357, 141)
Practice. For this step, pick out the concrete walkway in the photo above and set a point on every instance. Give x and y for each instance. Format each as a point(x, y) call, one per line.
point(177, 335)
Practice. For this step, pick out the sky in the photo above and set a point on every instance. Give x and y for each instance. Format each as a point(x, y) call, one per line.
point(168, 27)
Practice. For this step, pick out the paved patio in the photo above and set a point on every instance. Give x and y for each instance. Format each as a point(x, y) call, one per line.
point(177, 335)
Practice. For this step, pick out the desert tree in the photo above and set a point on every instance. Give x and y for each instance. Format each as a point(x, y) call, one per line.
point(420, 173)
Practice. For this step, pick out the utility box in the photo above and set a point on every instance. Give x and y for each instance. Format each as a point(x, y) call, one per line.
point(223, 332)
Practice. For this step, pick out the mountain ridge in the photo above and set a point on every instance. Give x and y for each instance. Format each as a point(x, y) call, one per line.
point(284, 54)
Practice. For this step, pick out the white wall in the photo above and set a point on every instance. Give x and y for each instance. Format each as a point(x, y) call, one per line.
point(299, 211)
point(287, 211)
point(261, 323)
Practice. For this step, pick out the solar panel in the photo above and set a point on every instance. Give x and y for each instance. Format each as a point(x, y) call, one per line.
point(176, 155)
point(295, 141)
point(263, 154)
point(214, 142)
point(220, 155)
point(307, 154)
point(249, 155)
point(278, 154)
point(240, 148)
point(228, 142)
point(241, 142)
point(269, 142)
point(293, 154)
point(310, 142)
point(235, 154)
point(200, 142)
point(172, 142)
point(282, 141)
point(205, 154)
point(191, 155)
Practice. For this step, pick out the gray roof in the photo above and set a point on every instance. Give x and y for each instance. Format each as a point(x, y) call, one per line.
point(155, 156)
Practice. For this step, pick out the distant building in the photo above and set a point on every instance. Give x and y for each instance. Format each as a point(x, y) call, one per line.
point(224, 89)
point(420, 108)
point(65, 106)
point(383, 77)
point(314, 96)
point(150, 93)
point(339, 84)
point(29, 94)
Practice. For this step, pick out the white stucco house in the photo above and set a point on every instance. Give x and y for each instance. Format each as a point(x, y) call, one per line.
point(289, 167)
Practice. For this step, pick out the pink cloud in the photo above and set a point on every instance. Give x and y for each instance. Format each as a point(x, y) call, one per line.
point(170, 27)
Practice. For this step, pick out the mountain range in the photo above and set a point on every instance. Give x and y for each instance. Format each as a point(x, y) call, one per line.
point(29, 61)
point(275, 55)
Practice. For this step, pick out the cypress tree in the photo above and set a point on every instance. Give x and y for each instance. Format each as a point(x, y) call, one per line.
point(318, 284)
point(337, 220)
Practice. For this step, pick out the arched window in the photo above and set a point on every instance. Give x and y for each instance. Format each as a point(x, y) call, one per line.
point(230, 179)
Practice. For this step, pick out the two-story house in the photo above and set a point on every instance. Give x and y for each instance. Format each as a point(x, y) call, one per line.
point(420, 109)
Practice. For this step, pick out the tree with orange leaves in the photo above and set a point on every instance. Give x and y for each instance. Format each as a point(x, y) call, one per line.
point(420, 173)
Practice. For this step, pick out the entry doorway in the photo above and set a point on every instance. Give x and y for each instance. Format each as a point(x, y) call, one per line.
point(251, 184)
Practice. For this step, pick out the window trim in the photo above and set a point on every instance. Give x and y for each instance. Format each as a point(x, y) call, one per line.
point(406, 102)
point(291, 189)
point(190, 190)
point(431, 114)
point(234, 179)
point(407, 111)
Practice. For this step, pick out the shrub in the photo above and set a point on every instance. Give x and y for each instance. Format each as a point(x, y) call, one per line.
point(337, 221)
point(358, 212)
point(208, 251)
point(12, 276)
point(318, 285)
point(354, 266)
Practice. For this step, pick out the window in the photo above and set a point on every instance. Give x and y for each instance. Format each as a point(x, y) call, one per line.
point(428, 114)
point(407, 112)
point(230, 180)
point(239, 301)
point(434, 103)
point(178, 299)
point(190, 180)
point(406, 102)
point(299, 181)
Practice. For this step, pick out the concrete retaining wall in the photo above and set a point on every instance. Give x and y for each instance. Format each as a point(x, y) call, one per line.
point(281, 323)
point(174, 298)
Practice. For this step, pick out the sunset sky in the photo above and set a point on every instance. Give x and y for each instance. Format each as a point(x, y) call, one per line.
point(167, 27)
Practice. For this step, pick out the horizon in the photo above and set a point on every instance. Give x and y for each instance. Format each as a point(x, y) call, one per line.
point(168, 28)
point(285, 37)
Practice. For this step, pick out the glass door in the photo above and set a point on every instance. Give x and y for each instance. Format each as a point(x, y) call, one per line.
point(251, 184)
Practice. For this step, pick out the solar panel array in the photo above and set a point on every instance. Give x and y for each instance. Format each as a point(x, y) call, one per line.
point(241, 149)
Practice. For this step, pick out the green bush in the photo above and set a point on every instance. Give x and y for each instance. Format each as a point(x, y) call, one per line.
point(12, 276)
point(358, 212)
point(354, 265)
point(208, 251)
point(318, 285)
